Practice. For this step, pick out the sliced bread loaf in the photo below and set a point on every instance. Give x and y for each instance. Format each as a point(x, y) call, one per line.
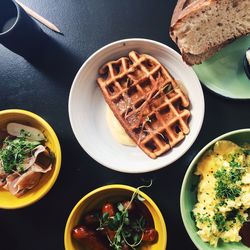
point(201, 27)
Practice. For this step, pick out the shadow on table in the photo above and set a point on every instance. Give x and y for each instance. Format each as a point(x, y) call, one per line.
point(54, 60)
point(8, 240)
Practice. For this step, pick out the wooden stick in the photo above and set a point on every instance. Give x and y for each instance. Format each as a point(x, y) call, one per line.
point(39, 18)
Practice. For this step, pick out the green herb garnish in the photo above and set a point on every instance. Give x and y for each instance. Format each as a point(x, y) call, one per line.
point(126, 230)
point(220, 222)
point(241, 218)
point(14, 152)
point(202, 218)
point(227, 186)
point(226, 191)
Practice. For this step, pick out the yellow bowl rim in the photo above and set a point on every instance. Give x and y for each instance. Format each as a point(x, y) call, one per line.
point(117, 186)
point(50, 130)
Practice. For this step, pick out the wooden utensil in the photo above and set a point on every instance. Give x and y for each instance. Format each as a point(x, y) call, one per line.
point(39, 18)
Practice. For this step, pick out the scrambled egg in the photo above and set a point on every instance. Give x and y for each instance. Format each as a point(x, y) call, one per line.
point(223, 192)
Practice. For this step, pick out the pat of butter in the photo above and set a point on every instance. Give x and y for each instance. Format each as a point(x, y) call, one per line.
point(248, 56)
point(117, 131)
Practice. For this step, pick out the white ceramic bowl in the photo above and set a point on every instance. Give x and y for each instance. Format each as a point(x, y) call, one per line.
point(87, 108)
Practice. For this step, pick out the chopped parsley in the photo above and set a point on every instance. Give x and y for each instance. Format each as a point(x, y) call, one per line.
point(233, 163)
point(202, 218)
point(222, 203)
point(241, 218)
point(226, 191)
point(227, 186)
point(220, 222)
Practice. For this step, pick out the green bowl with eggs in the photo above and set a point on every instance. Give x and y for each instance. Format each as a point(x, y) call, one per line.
point(188, 197)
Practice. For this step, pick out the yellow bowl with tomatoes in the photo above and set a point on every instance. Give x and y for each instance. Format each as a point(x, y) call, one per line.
point(115, 216)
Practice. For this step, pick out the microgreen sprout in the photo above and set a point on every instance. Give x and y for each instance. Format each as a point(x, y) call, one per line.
point(14, 152)
point(147, 119)
point(126, 231)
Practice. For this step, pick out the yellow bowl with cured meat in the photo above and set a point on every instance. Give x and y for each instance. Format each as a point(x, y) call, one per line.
point(98, 200)
point(10, 201)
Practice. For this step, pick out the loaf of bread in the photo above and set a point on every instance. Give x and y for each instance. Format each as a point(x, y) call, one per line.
point(202, 27)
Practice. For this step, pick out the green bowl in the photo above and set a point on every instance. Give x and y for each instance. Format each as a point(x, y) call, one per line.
point(224, 72)
point(188, 193)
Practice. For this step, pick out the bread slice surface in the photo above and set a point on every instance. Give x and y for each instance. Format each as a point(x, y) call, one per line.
point(201, 27)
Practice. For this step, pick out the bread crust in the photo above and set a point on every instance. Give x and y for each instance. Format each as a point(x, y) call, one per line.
point(183, 10)
point(177, 11)
point(191, 59)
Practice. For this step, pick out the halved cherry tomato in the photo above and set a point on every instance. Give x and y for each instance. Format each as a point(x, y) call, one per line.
point(88, 238)
point(80, 232)
point(149, 235)
point(108, 208)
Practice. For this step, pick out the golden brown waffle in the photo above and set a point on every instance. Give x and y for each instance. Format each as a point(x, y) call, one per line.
point(147, 101)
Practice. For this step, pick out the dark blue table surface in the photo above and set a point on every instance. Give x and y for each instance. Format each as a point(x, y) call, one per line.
point(43, 87)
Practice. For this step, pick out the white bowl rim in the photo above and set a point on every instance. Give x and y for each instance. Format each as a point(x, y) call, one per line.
point(190, 169)
point(157, 165)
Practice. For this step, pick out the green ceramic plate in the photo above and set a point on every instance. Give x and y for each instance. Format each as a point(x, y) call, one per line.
point(224, 72)
point(188, 193)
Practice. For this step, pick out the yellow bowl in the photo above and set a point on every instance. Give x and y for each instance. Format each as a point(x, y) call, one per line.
point(115, 192)
point(9, 201)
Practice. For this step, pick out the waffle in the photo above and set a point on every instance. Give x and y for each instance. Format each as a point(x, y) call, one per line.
point(147, 101)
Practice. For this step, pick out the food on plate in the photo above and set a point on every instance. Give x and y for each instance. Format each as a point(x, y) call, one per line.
point(124, 225)
point(117, 131)
point(147, 101)
point(24, 158)
point(18, 130)
point(201, 28)
point(223, 196)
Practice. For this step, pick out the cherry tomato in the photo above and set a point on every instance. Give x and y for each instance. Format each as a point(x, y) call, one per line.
point(128, 206)
point(89, 239)
point(80, 232)
point(108, 208)
point(149, 235)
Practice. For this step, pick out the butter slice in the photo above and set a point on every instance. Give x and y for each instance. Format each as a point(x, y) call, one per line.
point(117, 131)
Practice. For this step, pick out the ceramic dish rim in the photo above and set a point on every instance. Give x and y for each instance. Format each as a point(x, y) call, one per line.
point(110, 187)
point(157, 165)
point(57, 166)
point(189, 172)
